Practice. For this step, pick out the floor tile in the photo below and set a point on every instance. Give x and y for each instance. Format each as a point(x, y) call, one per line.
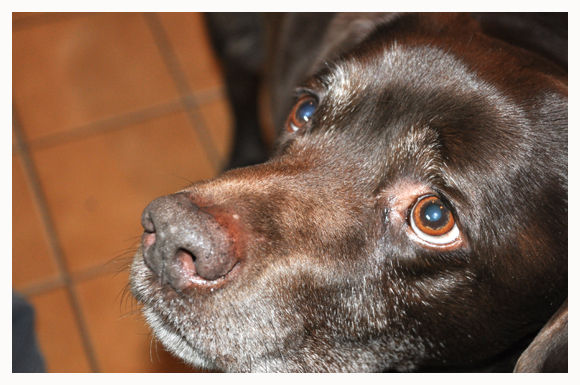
point(32, 259)
point(18, 16)
point(69, 71)
point(218, 120)
point(28, 19)
point(97, 187)
point(122, 340)
point(84, 68)
point(58, 335)
point(189, 39)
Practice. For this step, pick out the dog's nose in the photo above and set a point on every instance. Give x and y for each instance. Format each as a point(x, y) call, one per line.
point(183, 244)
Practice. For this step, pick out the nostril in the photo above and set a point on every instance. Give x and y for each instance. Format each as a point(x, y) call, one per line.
point(187, 261)
point(148, 239)
point(147, 222)
point(186, 253)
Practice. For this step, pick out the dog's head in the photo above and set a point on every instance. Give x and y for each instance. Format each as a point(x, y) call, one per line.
point(414, 215)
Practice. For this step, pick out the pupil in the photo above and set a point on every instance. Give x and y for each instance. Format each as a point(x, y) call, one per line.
point(305, 111)
point(433, 212)
point(434, 215)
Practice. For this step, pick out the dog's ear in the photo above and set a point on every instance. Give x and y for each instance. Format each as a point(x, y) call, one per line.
point(548, 352)
point(346, 30)
point(543, 33)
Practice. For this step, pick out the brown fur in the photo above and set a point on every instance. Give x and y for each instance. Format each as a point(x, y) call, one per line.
point(329, 276)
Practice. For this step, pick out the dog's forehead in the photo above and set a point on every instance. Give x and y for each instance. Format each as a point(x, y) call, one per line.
point(416, 103)
point(419, 69)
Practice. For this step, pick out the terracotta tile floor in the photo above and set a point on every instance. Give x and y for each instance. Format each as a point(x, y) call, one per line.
point(103, 122)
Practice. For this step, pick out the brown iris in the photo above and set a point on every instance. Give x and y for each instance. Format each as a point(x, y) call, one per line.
point(432, 217)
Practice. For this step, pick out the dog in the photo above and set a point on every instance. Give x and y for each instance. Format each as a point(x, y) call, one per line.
point(411, 217)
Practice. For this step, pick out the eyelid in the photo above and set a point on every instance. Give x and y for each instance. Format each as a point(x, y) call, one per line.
point(399, 198)
point(301, 92)
point(439, 240)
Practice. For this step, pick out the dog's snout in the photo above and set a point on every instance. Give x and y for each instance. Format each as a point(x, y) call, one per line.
point(183, 244)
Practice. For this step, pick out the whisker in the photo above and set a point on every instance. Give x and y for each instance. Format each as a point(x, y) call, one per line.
point(126, 300)
point(123, 260)
point(151, 344)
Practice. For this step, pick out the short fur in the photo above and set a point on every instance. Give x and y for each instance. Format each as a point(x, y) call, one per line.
point(329, 278)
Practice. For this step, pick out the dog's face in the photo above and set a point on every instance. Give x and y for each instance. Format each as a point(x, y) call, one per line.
point(414, 215)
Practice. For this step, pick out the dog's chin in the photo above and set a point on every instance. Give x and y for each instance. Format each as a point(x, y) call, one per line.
point(170, 315)
point(175, 343)
point(182, 349)
point(151, 294)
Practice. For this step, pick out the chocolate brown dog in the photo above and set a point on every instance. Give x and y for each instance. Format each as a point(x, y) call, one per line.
point(412, 217)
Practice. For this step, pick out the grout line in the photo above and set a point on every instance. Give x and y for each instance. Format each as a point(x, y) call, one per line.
point(41, 287)
point(188, 99)
point(105, 125)
point(49, 226)
point(44, 285)
point(120, 121)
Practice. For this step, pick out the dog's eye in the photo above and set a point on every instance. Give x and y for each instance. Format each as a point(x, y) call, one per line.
point(301, 113)
point(433, 222)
